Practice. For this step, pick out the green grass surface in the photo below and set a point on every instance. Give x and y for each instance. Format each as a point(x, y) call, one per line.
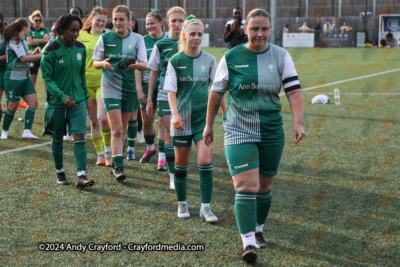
point(335, 197)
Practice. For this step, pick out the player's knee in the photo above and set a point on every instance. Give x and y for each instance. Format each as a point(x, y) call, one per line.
point(204, 161)
point(246, 182)
point(147, 123)
point(79, 137)
point(117, 132)
point(103, 122)
point(94, 122)
point(33, 104)
point(12, 106)
point(181, 161)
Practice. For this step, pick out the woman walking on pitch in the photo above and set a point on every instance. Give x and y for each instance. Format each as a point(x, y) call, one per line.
point(162, 52)
point(100, 128)
point(254, 138)
point(38, 37)
point(189, 74)
point(154, 26)
point(122, 56)
point(63, 71)
point(17, 82)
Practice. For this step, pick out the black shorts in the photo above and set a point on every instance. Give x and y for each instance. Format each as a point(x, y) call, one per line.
point(34, 67)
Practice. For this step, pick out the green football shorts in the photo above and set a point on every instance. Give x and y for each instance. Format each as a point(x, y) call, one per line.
point(57, 119)
point(163, 108)
point(123, 105)
point(265, 155)
point(183, 141)
point(15, 89)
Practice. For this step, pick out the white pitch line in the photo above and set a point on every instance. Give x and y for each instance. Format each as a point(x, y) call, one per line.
point(23, 148)
point(29, 147)
point(347, 80)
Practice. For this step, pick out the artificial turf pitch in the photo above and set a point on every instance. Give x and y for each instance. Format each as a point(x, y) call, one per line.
point(335, 198)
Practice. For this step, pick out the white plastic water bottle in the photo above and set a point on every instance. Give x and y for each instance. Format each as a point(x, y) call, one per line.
point(337, 96)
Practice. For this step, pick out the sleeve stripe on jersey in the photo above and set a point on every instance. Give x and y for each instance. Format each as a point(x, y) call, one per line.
point(290, 79)
point(291, 88)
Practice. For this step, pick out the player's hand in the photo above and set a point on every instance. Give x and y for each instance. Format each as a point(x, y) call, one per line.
point(87, 109)
point(107, 65)
point(134, 66)
point(36, 51)
point(142, 97)
point(177, 122)
point(298, 133)
point(69, 102)
point(149, 108)
point(208, 135)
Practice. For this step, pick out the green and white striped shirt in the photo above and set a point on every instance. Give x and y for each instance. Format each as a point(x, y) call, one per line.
point(254, 81)
point(119, 84)
point(150, 42)
point(16, 69)
point(190, 78)
point(162, 52)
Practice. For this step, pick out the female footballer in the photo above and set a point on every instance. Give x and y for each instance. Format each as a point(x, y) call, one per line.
point(154, 27)
point(189, 74)
point(63, 72)
point(38, 37)
point(162, 52)
point(119, 53)
point(254, 138)
point(17, 82)
point(100, 128)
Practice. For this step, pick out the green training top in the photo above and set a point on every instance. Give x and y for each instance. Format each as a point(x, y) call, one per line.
point(16, 69)
point(162, 52)
point(63, 72)
point(254, 81)
point(119, 84)
point(38, 34)
point(190, 78)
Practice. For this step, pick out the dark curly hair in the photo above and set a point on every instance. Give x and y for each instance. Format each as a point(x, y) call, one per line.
point(64, 22)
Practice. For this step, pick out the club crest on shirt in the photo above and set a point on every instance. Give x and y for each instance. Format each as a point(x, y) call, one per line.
point(203, 68)
point(130, 46)
point(41, 33)
point(79, 56)
point(271, 67)
point(33, 34)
